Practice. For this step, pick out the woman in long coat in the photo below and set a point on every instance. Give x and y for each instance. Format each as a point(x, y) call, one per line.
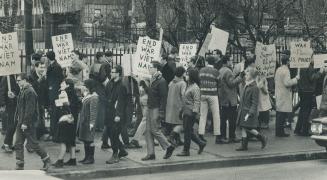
point(248, 110)
point(175, 104)
point(87, 119)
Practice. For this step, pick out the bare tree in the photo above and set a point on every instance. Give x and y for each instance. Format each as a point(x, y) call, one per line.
point(7, 24)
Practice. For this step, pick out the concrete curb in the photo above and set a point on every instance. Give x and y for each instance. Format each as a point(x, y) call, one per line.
point(196, 165)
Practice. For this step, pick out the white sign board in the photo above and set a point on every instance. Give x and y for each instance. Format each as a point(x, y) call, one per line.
point(320, 60)
point(186, 51)
point(63, 46)
point(301, 54)
point(10, 63)
point(148, 50)
point(266, 59)
point(204, 47)
point(219, 40)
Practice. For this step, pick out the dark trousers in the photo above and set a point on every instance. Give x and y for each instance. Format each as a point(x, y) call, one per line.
point(228, 113)
point(41, 129)
point(11, 125)
point(114, 132)
point(3, 118)
point(263, 117)
point(28, 135)
point(105, 135)
point(306, 104)
point(188, 122)
point(280, 121)
point(53, 119)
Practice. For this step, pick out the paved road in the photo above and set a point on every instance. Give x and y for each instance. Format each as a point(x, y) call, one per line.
point(301, 170)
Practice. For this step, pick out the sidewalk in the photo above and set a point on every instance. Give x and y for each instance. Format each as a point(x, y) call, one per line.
point(293, 148)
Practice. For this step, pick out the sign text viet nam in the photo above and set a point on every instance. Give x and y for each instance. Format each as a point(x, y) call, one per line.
point(63, 46)
point(10, 62)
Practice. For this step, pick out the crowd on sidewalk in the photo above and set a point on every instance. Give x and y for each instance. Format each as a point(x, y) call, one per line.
point(175, 103)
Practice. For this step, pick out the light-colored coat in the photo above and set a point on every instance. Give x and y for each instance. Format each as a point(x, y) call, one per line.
point(88, 115)
point(283, 89)
point(175, 101)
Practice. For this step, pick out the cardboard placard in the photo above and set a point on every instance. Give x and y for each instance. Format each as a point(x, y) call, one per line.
point(320, 60)
point(266, 59)
point(301, 54)
point(148, 50)
point(63, 46)
point(10, 62)
point(186, 51)
point(219, 40)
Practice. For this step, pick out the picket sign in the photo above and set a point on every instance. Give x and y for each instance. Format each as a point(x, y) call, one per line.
point(320, 60)
point(186, 51)
point(10, 62)
point(148, 50)
point(301, 54)
point(63, 46)
point(219, 40)
point(216, 39)
point(266, 59)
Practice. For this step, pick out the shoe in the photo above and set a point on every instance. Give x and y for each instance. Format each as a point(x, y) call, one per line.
point(59, 163)
point(263, 140)
point(234, 140)
point(202, 138)
point(122, 153)
point(244, 145)
point(7, 148)
point(46, 164)
point(201, 148)
point(184, 153)
point(221, 141)
point(134, 144)
point(283, 135)
point(149, 157)
point(70, 162)
point(90, 158)
point(105, 146)
point(114, 159)
point(87, 152)
point(169, 152)
point(19, 166)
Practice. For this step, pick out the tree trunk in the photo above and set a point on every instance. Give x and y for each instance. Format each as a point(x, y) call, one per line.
point(47, 22)
point(182, 20)
point(151, 18)
point(28, 32)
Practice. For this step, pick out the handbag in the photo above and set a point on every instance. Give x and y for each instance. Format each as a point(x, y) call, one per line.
point(67, 118)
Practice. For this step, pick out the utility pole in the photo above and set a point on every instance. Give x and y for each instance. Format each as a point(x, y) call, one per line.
point(28, 33)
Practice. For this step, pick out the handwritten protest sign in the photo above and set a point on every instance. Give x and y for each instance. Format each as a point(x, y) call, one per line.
point(148, 50)
point(186, 51)
point(301, 54)
point(10, 63)
point(219, 40)
point(266, 59)
point(320, 60)
point(63, 46)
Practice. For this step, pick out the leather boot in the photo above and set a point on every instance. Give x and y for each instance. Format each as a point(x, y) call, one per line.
point(86, 151)
point(114, 159)
point(59, 163)
point(244, 145)
point(263, 140)
point(46, 163)
point(90, 158)
point(70, 162)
